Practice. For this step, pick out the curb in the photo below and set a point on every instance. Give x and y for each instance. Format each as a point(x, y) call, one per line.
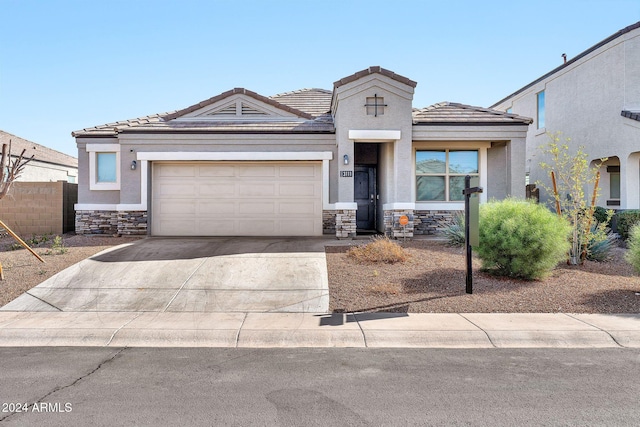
point(294, 330)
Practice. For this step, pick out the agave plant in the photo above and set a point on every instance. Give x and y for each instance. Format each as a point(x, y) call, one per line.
point(454, 232)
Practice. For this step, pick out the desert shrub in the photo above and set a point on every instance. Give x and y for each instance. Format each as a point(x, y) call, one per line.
point(626, 220)
point(57, 247)
point(454, 232)
point(380, 249)
point(576, 185)
point(521, 239)
point(633, 254)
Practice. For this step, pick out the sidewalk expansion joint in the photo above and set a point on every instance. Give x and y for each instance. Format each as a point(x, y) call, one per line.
point(240, 329)
point(120, 328)
point(364, 336)
point(485, 332)
point(600, 329)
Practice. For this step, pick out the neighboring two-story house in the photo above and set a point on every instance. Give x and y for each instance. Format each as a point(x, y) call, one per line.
point(302, 163)
point(594, 99)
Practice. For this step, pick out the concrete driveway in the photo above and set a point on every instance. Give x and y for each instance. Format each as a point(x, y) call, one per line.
point(191, 275)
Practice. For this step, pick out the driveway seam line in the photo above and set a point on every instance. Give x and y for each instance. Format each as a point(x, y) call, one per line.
point(485, 332)
point(600, 329)
point(240, 329)
point(183, 285)
point(40, 299)
point(120, 328)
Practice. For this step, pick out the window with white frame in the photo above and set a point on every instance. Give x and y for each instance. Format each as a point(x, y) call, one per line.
point(104, 170)
point(541, 110)
point(440, 174)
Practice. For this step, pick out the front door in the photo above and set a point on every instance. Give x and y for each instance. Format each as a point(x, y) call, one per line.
point(364, 182)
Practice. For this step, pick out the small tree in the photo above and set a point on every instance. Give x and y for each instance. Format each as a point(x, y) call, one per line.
point(571, 177)
point(11, 169)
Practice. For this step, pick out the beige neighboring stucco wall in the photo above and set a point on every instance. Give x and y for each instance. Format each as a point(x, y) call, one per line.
point(584, 101)
point(33, 208)
point(43, 172)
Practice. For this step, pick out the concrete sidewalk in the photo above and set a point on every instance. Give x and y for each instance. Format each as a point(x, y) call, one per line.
point(262, 330)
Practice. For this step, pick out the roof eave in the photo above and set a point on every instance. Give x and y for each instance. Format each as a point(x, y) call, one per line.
point(471, 123)
point(572, 60)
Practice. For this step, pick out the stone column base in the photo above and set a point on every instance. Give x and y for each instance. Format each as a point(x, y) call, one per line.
point(345, 223)
point(392, 227)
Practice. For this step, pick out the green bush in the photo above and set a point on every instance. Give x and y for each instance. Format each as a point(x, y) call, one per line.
point(626, 220)
point(601, 215)
point(454, 232)
point(521, 239)
point(633, 254)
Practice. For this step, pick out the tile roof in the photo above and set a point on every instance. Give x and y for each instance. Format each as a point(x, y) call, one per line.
point(374, 70)
point(568, 63)
point(633, 115)
point(236, 91)
point(110, 129)
point(321, 124)
point(300, 103)
point(40, 152)
point(312, 101)
point(452, 113)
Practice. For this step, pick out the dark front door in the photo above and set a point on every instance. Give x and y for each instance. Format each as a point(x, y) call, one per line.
point(364, 182)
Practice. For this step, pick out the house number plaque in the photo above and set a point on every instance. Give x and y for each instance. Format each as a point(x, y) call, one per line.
point(346, 174)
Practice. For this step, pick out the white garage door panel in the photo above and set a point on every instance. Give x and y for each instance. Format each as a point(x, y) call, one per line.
point(187, 207)
point(237, 199)
point(177, 171)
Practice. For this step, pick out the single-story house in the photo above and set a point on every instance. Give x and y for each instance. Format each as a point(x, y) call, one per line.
point(301, 163)
point(48, 165)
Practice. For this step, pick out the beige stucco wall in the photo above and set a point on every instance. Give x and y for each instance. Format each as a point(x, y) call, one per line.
point(350, 114)
point(132, 145)
point(505, 147)
point(584, 101)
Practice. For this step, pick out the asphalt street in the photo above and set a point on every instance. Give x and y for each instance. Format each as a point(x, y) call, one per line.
point(57, 386)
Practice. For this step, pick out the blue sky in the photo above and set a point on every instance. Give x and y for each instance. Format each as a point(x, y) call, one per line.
point(67, 65)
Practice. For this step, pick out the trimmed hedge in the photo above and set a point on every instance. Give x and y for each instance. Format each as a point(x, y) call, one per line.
point(521, 239)
point(625, 221)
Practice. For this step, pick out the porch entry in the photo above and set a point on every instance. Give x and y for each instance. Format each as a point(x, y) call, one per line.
point(365, 195)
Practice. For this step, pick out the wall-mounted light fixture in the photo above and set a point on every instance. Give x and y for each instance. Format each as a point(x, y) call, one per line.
point(133, 165)
point(346, 159)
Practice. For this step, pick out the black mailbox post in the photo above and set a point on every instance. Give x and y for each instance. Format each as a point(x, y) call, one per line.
point(471, 220)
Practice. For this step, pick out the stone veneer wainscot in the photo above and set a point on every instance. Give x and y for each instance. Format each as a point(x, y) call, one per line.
point(111, 222)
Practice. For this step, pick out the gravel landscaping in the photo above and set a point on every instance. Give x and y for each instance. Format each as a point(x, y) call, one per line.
point(23, 271)
point(432, 281)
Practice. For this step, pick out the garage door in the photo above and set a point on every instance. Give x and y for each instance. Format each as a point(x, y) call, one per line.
point(237, 199)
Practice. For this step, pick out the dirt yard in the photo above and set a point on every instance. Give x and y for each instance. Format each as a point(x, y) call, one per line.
point(22, 270)
point(432, 280)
